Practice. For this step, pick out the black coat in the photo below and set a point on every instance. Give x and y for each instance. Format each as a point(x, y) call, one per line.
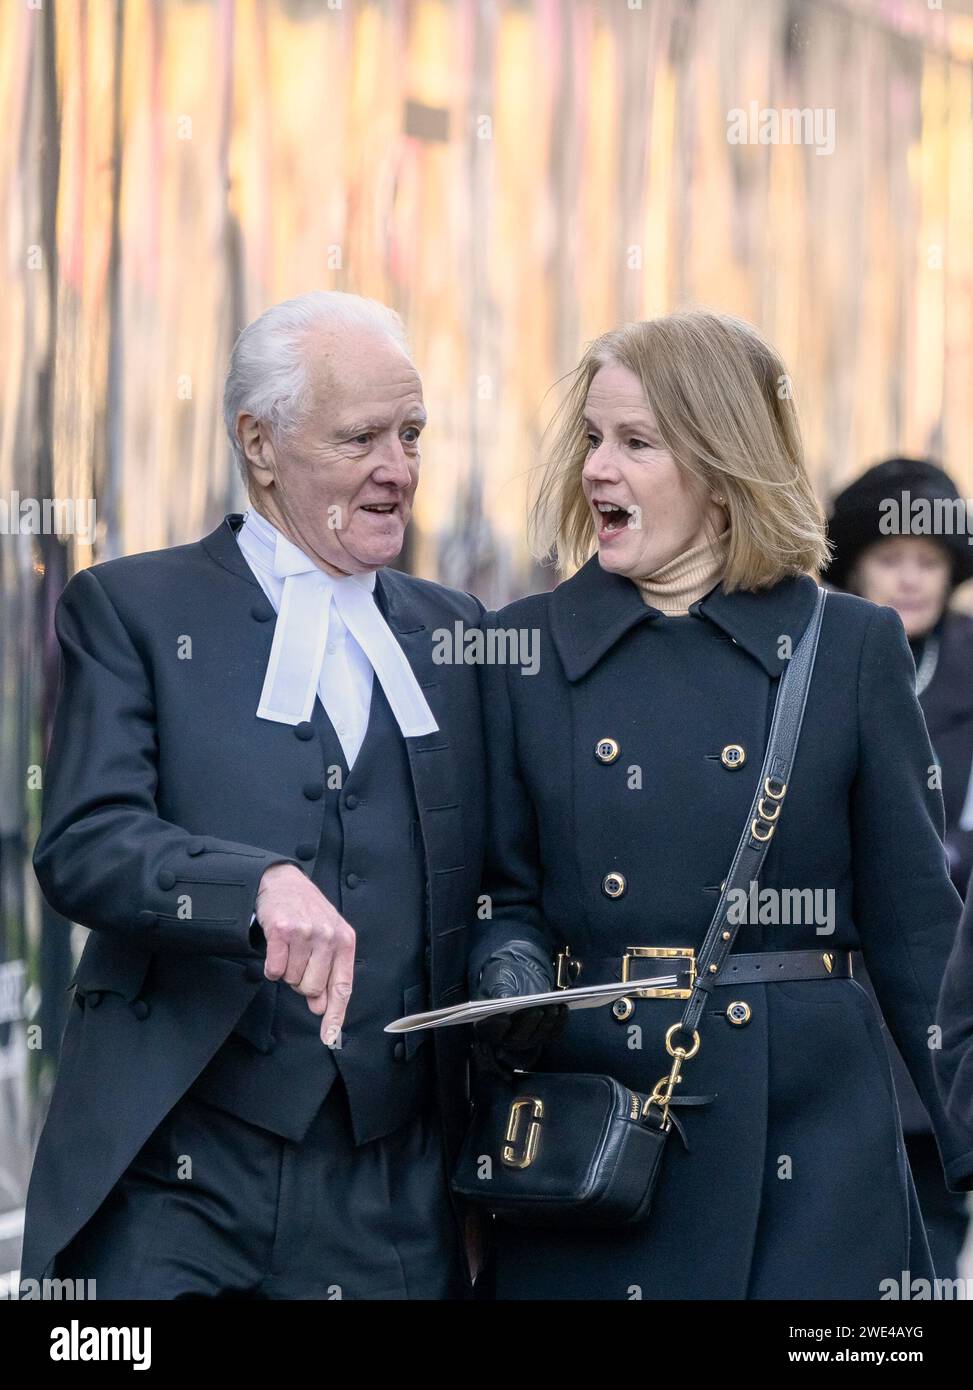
point(947, 704)
point(950, 717)
point(953, 1060)
point(796, 1183)
point(160, 773)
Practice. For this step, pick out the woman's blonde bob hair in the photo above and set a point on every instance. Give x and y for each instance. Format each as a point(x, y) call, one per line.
point(724, 407)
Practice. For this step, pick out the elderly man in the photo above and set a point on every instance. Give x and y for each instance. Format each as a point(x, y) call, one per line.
point(263, 795)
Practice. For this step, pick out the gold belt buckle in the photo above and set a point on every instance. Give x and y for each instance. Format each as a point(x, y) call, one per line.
point(660, 953)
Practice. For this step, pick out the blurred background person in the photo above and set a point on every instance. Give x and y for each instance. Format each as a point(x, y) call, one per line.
point(916, 575)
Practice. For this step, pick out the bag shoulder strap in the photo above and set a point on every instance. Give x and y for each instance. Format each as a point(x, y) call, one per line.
point(764, 815)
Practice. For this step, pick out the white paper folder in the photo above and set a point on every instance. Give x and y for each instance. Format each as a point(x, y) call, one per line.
point(586, 997)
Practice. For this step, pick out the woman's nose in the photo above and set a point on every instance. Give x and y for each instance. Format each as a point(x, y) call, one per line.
point(600, 465)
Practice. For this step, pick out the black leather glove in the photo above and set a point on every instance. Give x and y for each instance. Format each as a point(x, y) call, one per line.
point(514, 1040)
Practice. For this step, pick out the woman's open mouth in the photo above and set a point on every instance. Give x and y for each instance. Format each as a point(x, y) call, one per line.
point(612, 519)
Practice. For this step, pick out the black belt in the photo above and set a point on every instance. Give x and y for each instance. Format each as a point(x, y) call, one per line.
point(758, 967)
point(764, 967)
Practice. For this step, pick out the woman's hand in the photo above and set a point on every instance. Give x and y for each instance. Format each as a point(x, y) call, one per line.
point(514, 1040)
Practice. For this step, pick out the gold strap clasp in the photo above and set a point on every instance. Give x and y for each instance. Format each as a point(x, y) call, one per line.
point(664, 1087)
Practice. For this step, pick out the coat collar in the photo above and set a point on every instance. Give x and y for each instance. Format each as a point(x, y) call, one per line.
point(393, 590)
point(594, 609)
point(221, 546)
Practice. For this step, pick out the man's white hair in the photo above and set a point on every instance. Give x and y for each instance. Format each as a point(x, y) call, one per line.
point(267, 375)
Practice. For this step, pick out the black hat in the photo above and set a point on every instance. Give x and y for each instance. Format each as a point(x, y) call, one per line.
point(874, 507)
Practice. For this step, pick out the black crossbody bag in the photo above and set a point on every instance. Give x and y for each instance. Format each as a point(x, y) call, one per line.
point(566, 1148)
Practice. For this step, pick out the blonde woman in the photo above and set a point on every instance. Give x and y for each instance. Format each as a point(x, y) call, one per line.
point(621, 775)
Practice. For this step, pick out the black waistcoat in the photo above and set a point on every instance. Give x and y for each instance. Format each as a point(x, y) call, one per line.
point(273, 1070)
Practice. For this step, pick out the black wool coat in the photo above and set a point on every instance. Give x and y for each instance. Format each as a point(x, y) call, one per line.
point(954, 1059)
point(949, 706)
point(161, 780)
point(796, 1183)
point(947, 703)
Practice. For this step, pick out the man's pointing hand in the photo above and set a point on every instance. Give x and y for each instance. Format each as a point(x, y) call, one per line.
point(310, 946)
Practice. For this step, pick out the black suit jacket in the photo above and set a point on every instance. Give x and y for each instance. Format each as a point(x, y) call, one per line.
point(162, 787)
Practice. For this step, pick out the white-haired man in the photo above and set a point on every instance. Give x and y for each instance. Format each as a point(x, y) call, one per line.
point(264, 798)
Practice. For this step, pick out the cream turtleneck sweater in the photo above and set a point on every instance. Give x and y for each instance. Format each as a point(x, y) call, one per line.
point(685, 579)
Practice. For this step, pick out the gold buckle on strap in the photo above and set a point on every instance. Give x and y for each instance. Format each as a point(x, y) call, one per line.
point(660, 953)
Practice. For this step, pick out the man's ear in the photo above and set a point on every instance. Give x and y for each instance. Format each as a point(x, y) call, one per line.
point(258, 449)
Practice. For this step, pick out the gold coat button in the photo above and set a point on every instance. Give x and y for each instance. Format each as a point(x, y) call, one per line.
point(734, 755)
point(613, 885)
point(738, 1013)
point(607, 750)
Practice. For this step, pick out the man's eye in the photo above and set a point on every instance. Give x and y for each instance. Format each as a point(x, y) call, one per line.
point(414, 433)
point(362, 439)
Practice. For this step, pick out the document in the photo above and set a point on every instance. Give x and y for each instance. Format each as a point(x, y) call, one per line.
point(586, 997)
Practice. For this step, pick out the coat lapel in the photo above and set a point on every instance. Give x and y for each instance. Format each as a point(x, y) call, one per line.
point(590, 612)
point(595, 609)
point(766, 623)
point(431, 756)
point(221, 546)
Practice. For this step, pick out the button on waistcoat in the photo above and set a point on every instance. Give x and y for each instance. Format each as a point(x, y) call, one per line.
point(273, 1070)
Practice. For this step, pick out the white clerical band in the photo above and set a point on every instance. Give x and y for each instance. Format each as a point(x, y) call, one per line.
point(300, 640)
point(291, 682)
point(364, 621)
point(330, 642)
